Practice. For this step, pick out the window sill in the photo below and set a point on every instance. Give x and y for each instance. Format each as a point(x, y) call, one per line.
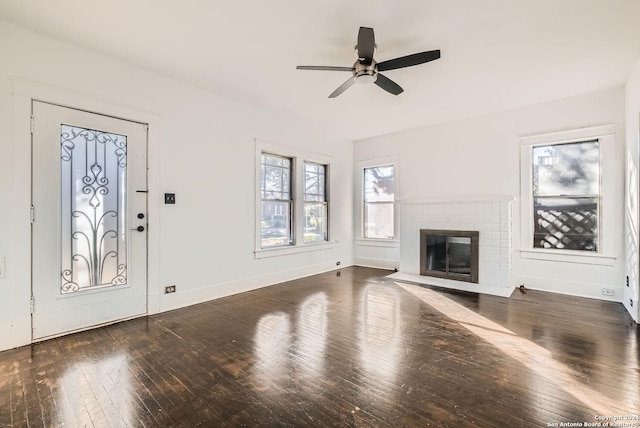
point(371, 242)
point(264, 253)
point(567, 256)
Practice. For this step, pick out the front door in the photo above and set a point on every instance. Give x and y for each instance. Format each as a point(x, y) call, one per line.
point(89, 239)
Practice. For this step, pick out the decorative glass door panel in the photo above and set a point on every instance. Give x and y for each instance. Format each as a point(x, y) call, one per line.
point(89, 251)
point(93, 168)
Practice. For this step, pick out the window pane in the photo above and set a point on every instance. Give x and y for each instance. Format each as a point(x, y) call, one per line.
point(379, 184)
point(276, 224)
point(314, 182)
point(276, 177)
point(315, 222)
point(93, 167)
point(566, 169)
point(378, 220)
point(566, 223)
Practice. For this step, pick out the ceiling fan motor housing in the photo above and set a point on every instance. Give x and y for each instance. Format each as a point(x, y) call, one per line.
point(365, 73)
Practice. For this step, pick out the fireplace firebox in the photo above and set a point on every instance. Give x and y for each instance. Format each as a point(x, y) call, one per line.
point(450, 254)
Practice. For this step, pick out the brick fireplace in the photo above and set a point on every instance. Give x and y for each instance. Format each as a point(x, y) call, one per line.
point(490, 218)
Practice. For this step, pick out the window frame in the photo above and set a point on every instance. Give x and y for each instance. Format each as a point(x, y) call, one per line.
point(298, 158)
point(361, 166)
point(291, 237)
point(605, 135)
point(367, 203)
point(324, 202)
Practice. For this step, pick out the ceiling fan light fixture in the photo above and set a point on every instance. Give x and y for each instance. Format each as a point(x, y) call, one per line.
point(366, 79)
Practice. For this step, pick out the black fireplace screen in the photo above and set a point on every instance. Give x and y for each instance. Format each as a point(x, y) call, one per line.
point(451, 254)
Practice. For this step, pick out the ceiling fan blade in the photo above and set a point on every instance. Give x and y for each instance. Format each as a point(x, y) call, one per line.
point(323, 68)
point(346, 85)
point(366, 44)
point(388, 85)
point(409, 60)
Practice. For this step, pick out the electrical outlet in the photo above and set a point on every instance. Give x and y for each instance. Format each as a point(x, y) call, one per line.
point(608, 292)
point(170, 198)
point(169, 289)
point(337, 263)
point(631, 302)
point(627, 280)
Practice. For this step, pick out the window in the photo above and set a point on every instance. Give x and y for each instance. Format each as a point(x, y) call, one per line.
point(292, 201)
point(315, 203)
point(275, 189)
point(378, 218)
point(566, 195)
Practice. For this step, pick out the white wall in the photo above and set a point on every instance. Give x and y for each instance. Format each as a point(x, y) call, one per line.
point(479, 158)
point(632, 219)
point(201, 147)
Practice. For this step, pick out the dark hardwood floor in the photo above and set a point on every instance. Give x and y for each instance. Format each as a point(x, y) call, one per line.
point(345, 348)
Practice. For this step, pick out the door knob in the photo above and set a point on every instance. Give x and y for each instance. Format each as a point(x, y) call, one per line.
point(140, 216)
point(139, 229)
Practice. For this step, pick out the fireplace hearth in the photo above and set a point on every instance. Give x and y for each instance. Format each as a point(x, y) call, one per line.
point(449, 254)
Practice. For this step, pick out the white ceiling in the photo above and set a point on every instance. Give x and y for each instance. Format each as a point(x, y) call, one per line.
point(496, 54)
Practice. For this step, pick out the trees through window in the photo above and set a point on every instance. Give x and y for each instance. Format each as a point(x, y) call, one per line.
point(275, 190)
point(379, 199)
point(315, 203)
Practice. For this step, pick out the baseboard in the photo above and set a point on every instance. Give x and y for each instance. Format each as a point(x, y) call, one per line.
point(376, 263)
point(17, 334)
point(569, 288)
point(216, 291)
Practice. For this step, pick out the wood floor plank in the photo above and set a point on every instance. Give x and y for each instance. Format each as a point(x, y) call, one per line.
point(348, 348)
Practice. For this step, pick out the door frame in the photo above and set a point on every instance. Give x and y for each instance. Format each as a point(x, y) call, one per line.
point(24, 92)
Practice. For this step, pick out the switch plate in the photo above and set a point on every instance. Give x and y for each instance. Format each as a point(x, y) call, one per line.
point(1, 267)
point(169, 289)
point(169, 198)
point(608, 292)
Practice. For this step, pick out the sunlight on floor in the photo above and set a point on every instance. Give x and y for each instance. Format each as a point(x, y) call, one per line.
point(102, 387)
point(534, 357)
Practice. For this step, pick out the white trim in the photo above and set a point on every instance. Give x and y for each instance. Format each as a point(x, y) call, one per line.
point(569, 256)
point(371, 242)
point(17, 331)
point(569, 288)
point(457, 199)
point(216, 291)
point(264, 253)
point(605, 255)
point(376, 263)
point(568, 135)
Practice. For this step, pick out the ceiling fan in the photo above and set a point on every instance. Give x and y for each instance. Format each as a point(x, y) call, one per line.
point(367, 70)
